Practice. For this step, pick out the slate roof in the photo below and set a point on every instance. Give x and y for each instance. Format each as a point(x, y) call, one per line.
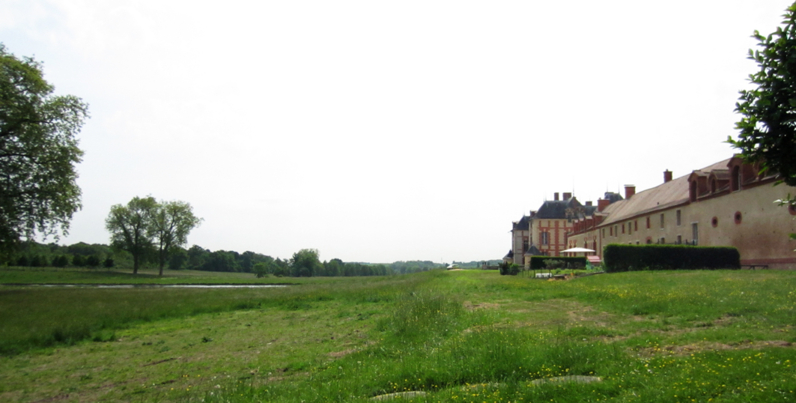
point(534, 251)
point(557, 209)
point(509, 255)
point(523, 225)
point(669, 194)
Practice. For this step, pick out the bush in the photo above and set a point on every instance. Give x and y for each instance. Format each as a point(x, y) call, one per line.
point(78, 261)
point(93, 261)
point(60, 261)
point(507, 269)
point(539, 262)
point(669, 257)
point(108, 263)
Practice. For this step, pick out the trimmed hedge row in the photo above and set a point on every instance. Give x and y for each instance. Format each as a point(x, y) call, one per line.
point(537, 262)
point(618, 258)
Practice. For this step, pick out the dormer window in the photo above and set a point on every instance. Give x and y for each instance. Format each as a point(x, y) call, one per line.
point(735, 178)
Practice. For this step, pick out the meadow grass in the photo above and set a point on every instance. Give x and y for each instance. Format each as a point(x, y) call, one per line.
point(456, 336)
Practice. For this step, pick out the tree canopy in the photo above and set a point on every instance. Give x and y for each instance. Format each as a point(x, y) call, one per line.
point(131, 227)
point(38, 152)
point(146, 226)
point(768, 124)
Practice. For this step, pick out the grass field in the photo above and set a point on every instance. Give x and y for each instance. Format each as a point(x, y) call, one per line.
point(471, 336)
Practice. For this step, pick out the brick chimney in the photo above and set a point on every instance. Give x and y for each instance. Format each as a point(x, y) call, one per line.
point(567, 195)
point(630, 190)
point(602, 204)
point(667, 176)
point(555, 196)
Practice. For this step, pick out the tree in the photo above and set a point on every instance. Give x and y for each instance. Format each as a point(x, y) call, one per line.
point(768, 126)
point(131, 227)
point(38, 152)
point(171, 223)
point(305, 263)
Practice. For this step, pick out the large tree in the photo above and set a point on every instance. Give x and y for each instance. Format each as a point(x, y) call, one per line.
point(131, 227)
point(171, 223)
point(768, 126)
point(38, 152)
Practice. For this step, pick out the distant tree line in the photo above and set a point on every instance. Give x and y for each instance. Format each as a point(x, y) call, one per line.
point(304, 263)
point(32, 254)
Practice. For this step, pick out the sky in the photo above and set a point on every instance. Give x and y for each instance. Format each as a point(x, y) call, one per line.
point(378, 131)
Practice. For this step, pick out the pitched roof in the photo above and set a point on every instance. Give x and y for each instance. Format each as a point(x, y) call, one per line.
point(524, 224)
point(669, 194)
point(533, 251)
point(557, 209)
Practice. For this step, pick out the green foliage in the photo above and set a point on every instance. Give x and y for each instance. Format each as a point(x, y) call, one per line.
point(60, 261)
point(305, 263)
point(93, 261)
point(108, 263)
point(509, 269)
point(131, 227)
point(38, 152)
point(146, 227)
point(78, 261)
point(767, 127)
point(669, 257)
point(540, 262)
point(178, 259)
point(171, 223)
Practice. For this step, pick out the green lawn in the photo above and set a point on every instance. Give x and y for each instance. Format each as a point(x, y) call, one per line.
point(456, 336)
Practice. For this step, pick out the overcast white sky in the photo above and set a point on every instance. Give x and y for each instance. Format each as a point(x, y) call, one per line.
point(381, 131)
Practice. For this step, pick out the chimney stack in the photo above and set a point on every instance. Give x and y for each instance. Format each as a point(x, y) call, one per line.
point(667, 176)
point(602, 204)
point(555, 196)
point(567, 195)
point(630, 190)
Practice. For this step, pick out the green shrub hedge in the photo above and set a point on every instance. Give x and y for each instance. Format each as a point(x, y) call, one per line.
point(537, 262)
point(669, 257)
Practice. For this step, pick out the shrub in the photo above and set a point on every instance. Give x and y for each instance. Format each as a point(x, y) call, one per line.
point(669, 257)
point(60, 261)
point(108, 263)
point(78, 261)
point(576, 262)
point(92, 261)
point(509, 269)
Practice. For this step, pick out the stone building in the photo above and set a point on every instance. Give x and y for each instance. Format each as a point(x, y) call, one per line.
point(729, 203)
point(544, 231)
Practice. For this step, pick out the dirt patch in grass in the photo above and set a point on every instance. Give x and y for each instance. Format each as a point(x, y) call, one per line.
point(687, 349)
point(484, 305)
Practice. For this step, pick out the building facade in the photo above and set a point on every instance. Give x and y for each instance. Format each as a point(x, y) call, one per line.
point(728, 203)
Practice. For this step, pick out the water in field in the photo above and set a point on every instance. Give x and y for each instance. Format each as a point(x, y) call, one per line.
point(150, 285)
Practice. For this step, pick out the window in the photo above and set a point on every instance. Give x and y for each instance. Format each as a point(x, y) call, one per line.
point(636, 225)
point(679, 239)
point(648, 223)
point(678, 218)
point(545, 238)
point(695, 233)
point(662, 215)
point(714, 222)
point(738, 217)
point(611, 231)
point(735, 178)
point(663, 241)
point(616, 230)
point(623, 228)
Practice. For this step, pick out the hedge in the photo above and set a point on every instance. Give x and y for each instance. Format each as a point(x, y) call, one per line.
point(618, 258)
point(537, 262)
